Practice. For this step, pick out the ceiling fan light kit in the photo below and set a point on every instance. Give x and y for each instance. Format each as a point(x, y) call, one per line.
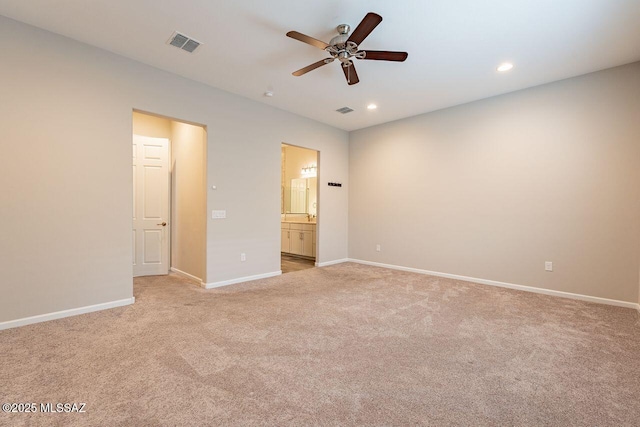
point(345, 48)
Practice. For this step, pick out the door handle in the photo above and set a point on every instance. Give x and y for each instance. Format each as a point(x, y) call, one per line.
point(164, 224)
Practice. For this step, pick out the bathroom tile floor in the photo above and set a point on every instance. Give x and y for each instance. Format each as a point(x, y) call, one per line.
point(292, 263)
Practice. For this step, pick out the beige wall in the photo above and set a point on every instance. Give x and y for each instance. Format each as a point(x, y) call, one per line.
point(495, 188)
point(189, 204)
point(296, 159)
point(152, 126)
point(65, 135)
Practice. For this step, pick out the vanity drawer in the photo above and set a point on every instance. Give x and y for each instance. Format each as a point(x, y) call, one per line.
point(284, 225)
point(303, 227)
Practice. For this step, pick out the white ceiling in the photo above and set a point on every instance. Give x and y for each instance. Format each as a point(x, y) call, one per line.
point(454, 46)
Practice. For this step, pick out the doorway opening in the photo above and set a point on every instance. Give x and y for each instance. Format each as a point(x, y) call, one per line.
point(299, 207)
point(169, 197)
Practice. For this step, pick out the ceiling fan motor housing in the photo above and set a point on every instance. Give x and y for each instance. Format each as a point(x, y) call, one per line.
point(341, 48)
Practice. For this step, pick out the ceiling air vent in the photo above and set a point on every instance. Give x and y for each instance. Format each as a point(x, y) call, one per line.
point(183, 42)
point(344, 110)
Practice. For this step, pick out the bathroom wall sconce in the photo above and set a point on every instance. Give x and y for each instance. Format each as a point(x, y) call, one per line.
point(310, 171)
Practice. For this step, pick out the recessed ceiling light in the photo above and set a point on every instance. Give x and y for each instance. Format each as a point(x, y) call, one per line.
point(505, 66)
point(372, 107)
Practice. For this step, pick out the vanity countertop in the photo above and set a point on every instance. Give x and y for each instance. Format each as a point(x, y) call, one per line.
point(297, 222)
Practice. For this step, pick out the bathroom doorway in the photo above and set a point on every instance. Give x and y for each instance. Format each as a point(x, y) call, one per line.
point(299, 207)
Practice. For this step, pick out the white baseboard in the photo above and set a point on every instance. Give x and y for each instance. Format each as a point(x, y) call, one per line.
point(65, 313)
point(336, 261)
point(505, 285)
point(185, 275)
point(241, 280)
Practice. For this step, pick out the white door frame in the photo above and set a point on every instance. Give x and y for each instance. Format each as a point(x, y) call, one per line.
point(318, 202)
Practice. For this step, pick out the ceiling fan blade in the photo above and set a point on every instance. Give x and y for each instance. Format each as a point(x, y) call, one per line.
point(350, 74)
point(307, 39)
point(385, 55)
point(364, 28)
point(311, 67)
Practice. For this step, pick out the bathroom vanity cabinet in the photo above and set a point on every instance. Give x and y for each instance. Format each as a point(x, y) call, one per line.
point(298, 238)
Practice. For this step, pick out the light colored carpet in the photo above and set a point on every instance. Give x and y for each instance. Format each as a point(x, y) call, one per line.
point(341, 345)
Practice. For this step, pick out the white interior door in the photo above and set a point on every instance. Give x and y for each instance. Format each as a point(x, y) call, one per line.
point(299, 195)
point(150, 206)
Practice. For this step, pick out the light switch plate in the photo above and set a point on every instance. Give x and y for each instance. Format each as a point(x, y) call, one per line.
point(218, 214)
point(548, 266)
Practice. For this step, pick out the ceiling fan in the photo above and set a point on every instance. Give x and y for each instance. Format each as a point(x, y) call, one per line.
point(344, 48)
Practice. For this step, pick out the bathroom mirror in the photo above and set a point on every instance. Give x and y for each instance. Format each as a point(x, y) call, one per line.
point(300, 197)
point(299, 182)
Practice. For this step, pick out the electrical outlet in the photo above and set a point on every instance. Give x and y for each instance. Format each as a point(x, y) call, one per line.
point(378, 248)
point(548, 266)
point(243, 257)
